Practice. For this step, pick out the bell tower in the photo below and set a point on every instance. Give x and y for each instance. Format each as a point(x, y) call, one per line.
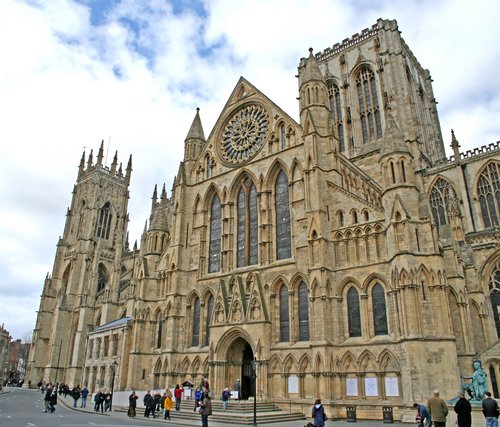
point(82, 291)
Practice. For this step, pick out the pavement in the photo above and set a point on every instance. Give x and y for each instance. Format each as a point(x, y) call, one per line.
point(121, 413)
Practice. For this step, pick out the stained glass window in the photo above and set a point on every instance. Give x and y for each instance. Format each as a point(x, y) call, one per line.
point(104, 221)
point(440, 200)
point(215, 235)
point(488, 189)
point(284, 315)
point(379, 310)
point(303, 313)
point(195, 341)
point(371, 126)
point(353, 313)
point(283, 239)
point(247, 225)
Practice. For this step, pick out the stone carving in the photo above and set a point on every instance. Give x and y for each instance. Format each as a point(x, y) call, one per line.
point(478, 386)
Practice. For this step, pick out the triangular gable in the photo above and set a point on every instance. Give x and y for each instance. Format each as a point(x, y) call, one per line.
point(399, 207)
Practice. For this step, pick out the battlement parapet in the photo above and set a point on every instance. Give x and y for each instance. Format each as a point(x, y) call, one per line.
point(477, 151)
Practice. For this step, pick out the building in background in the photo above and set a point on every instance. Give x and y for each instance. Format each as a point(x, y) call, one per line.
point(345, 254)
point(15, 365)
point(4, 351)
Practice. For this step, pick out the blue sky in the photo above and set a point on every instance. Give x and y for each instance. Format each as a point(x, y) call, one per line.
point(132, 73)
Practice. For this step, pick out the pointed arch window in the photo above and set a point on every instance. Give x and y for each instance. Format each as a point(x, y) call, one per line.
point(488, 189)
point(284, 315)
point(210, 309)
point(208, 166)
point(379, 310)
point(353, 313)
point(494, 288)
point(282, 201)
point(336, 111)
point(215, 235)
point(248, 224)
point(102, 278)
point(303, 313)
point(195, 340)
point(369, 111)
point(104, 221)
point(441, 194)
point(159, 331)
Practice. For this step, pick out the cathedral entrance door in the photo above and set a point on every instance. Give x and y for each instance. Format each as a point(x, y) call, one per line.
point(240, 356)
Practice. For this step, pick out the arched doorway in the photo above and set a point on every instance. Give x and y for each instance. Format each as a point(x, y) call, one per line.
point(239, 357)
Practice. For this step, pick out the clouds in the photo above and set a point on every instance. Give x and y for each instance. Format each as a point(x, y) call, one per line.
point(132, 74)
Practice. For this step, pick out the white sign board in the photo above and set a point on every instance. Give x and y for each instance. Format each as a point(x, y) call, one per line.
point(234, 394)
point(351, 385)
point(371, 388)
point(391, 386)
point(293, 384)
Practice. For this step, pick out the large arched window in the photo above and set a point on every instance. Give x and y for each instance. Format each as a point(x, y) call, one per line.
point(102, 278)
point(248, 224)
point(303, 313)
point(441, 195)
point(353, 313)
point(284, 315)
point(215, 235)
point(379, 310)
point(488, 190)
point(336, 111)
point(104, 221)
point(494, 288)
point(210, 309)
point(369, 112)
point(282, 202)
point(195, 341)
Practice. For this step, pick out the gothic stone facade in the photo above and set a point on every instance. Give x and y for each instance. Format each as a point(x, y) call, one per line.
point(346, 253)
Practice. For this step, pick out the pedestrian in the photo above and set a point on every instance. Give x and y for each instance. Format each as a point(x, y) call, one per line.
point(318, 414)
point(178, 396)
point(236, 388)
point(53, 401)
point(76, 393)
point(197, 397)
point(85, 393)
point(490, 410)
point(168, 404)
point(206, 409)
point(226, 394)
point(423, 417)
point(97, 396)
point(157, 399)
point(107, 401)
point(438, 409)
point(463, 411)
point(132, 404)
point(48, 392)
point(149, 404)
point(204, 385)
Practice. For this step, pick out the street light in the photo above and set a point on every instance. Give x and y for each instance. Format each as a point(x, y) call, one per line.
point(114, 367)
point(255, 366)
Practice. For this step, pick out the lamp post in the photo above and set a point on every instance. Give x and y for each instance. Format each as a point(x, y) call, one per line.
point(114, 367)
point(255, 366)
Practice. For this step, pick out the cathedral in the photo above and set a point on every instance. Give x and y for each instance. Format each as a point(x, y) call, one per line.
point(342, 257)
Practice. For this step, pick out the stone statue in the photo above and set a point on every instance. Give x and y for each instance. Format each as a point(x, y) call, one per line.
point(478, 386)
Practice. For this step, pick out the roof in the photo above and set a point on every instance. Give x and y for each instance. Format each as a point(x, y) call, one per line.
point(114, 324)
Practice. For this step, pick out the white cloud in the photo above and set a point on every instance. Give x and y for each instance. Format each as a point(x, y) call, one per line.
point(65, 84)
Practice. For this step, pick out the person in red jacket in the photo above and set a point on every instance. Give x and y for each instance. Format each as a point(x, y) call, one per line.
point(178, 396)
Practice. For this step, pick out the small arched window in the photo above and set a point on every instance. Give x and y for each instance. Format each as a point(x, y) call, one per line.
point(210, 309)
point(159, 331)
point(494, 288)
point(102, 278)
point(283, 136)
point(336, 112)
point(353, 313)
point(284, 315)
point(379, 310)
point(208, 166)
point(303, 313)
point(195, 341)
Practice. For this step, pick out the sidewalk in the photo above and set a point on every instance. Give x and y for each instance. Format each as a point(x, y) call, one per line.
point(121, 412)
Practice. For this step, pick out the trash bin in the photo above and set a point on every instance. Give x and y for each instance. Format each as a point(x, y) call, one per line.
point(351, 414)
point(387, 414)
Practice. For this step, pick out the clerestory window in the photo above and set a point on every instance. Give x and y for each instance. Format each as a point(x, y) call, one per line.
point(369, 111)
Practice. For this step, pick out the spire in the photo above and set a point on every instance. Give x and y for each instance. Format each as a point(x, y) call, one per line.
point(120, 171)
point(163, 196)
point(114, 164)
point(129, 169)
point(311, 71)
point(155, 197)
point(455, 146)
point(100, 155)
point(135, 246)
point(82, 164)
point(196, 129)
point(90, 160)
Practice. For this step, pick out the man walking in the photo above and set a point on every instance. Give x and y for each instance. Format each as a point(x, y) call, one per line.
point(490, 410)
point(438, 409)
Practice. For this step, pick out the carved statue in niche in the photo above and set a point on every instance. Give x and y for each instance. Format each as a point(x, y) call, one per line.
point(236, 312)
point(255, 310)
